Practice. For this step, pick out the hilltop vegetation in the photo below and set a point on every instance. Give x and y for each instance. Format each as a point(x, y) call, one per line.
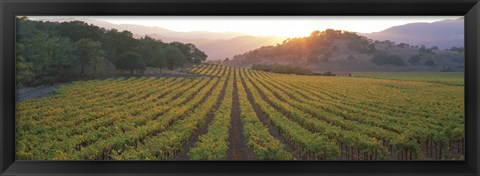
point(285, 69)
point(49, 52)
point(336, 50)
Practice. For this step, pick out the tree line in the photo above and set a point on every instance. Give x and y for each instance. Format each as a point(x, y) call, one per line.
point(47, 52)
point(285, 69)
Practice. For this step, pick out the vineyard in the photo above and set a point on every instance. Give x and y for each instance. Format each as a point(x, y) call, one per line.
point(228, 113)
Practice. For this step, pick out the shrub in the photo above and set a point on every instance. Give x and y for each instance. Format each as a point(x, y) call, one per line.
point(286, 69)
point(414, 60)
point(386, 59)
point(429, 63)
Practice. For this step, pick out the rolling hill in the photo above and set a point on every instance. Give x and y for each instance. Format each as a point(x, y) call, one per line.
point(343, 51)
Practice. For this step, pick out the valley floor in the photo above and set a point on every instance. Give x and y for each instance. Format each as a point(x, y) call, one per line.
point(228, 113)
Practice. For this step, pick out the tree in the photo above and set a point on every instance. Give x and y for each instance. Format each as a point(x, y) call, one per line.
point(159, 58)
point(198, 56)
point(414, 60)
point(64, 53)
point(150, 49)
point(48, 47)
point(459, 50)
point(386, 59)
point(429, 62)
point(116, 43)
point(286, 69)
point(361, 44)
point(78, 30)
point(97, 61)
point(191, 52)
point(89, 52)
point(314, 33)
point(226, 61)
point(23, 68)
point(403, 45)
point(424, 50)
point(130, 61)
point(175, 57)
point(47, 56)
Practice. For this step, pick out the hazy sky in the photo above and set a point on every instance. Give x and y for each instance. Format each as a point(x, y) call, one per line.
point(267, 25)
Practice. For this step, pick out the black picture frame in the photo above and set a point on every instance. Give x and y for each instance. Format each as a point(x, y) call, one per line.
point(10, 8)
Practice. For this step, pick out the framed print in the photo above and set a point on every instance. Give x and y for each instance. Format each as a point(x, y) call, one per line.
point(239, 87)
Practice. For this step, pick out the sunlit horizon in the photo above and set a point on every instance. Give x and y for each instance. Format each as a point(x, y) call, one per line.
point(293, 26)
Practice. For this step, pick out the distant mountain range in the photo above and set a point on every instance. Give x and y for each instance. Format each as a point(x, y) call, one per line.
point(221, 48)
point(141, 30)
point(443, 34)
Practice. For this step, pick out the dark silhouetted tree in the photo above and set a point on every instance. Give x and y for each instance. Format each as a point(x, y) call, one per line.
point(414, 60)
point(386, 59)
point(130, 61)
point(429, 63)
point(89, 52)
point(175, 57)
point(226, 61)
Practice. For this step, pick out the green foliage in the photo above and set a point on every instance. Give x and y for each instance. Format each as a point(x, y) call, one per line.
point(46, 56)
point(78, 30)
point(361, 45)
point(429, 62)
point(214, 144)
point(424, 50)
point(459, 49)
point(191, 52)
point(388, 59)
point(414, 60)
point(151, 51)
point(90, 52)
point(23, 68)
point(174, 57)
point(160, 58)
point(48, 48)
point(130, 61)
point(285, 69)
point(460, 59)
point(403, 45)
point(115, 43)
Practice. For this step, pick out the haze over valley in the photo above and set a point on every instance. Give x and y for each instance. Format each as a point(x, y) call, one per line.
point(443, 34)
